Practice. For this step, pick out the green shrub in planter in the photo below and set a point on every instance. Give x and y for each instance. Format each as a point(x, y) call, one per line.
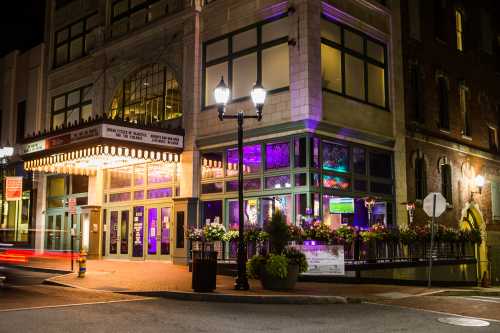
point(295, 257)
point(255, 266)
point(278, 232)
point(277, 266)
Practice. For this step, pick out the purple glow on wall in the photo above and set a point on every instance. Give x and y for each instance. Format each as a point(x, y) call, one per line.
point(276, 9)
point(282, 181)
point(277, 155)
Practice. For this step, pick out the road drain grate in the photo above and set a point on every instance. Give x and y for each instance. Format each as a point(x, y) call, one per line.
point(461, 321)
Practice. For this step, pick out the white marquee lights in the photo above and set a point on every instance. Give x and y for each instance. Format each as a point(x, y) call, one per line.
point(87, 161)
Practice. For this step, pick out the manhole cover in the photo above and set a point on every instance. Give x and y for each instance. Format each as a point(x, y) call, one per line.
point(459, 321)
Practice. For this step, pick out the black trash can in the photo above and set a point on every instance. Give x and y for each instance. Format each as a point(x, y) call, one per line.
point(204, 271)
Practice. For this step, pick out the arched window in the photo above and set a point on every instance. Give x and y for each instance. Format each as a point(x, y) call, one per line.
point(420, 178)
point(150, 95)
point(446, 185)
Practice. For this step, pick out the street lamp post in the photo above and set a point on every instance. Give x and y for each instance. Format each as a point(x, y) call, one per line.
point(5, 153)
point(222, 94)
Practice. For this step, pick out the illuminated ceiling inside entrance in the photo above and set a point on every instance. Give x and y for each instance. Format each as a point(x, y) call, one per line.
point(87, 161)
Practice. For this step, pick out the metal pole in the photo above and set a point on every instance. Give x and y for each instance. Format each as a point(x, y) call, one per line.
point(241, 280)
point(432, 240)
point(72, 241)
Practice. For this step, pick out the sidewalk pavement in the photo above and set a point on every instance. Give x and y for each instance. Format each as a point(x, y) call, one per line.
point(156, 278)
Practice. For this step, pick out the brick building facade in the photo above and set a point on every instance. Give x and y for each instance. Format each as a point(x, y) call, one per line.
point(451, 55)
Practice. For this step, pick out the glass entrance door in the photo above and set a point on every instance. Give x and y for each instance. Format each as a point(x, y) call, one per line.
point(57, 232)
point(119, 232)
point(157, 236)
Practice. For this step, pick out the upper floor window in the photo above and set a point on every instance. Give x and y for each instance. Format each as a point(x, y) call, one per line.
point(459, 29)
point(70, 107)
point(353, 65)
point(416, 94)
point(464, 109)
point(150, 95)
point(420, 178)
point(493, 139)
point(440, 19)
point(446, 185)
point(75, 40)
point(127, 15)
point(444, 115)
point(258, 53)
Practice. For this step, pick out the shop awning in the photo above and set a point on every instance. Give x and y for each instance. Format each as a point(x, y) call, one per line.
point(87, 161)
point(100, 144)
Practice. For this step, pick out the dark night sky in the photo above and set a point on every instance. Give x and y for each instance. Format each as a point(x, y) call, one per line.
point(21, 24)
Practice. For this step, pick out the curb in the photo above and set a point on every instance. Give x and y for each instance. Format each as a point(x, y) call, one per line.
point(41, 269)
point(228, 298)
point(468, 293)
point(252, 299)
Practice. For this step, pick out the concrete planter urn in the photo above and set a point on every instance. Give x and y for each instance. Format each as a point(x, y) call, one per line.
point(271, 282)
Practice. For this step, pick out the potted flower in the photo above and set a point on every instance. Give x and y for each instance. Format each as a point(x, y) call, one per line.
point(231, 239)
point(295, 233)
point(318, 231)
point(278, 270)
point(196, 236)
point(214, 232)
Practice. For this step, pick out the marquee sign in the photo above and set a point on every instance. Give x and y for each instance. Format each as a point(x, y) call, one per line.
point(108, 131)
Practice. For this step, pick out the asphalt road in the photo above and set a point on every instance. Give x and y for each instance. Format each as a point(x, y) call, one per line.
point(162, 315)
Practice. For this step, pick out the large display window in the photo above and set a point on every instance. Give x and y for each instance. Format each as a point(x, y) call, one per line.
point(303, 176)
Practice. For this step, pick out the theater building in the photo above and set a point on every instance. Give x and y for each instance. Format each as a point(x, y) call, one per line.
point(129, 152)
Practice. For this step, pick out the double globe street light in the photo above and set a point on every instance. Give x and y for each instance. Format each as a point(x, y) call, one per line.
point(222, 95)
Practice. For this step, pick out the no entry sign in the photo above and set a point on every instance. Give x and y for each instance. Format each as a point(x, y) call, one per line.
point(437, 199)
point(13, 188)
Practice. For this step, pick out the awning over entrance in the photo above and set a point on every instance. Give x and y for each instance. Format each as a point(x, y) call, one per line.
point(88, 160)
point(101, 144)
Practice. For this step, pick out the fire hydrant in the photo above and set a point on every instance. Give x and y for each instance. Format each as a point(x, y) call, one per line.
point(82, 264)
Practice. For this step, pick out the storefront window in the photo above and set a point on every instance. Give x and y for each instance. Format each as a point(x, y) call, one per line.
point(121, 177)
point(139, 174)
point(250, 213)
point(352, 211)
point(301, 179)
point(336, 182)
point(116, 197)
point(276, 182)
point(139, 195)
point(212, 211)
point(315, 152)
point(251, 160)
point(79, 184)
point(359, 160)
point(212, 188)
point(56, 186)
point(380, 165)
point(158, 193)
point(315, 179)
point(159, 173)
point(301, 210)
point(283, 203)
point(300, 152)
point(360, 185)
point(277, 155)
point(211, 165)
point(335, 157)
point(248, 185)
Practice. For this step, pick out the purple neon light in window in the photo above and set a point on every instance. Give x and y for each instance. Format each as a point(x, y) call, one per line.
point(282, 181)
point(212, 210)
point(251, 160)
point(158, 193)
point(277, 155)
point(248, 185)
point(117, 197)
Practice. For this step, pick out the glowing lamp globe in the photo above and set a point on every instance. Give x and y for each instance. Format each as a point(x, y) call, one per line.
point(479, 181)
point(222, 93)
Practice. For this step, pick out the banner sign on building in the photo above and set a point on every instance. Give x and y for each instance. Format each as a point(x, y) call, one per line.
point(108, 131)
point(13, 188)
point(72, 205)
point(324, 259)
